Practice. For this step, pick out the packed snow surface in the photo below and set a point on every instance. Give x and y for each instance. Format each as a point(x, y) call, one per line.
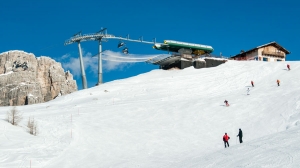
point(166, 119)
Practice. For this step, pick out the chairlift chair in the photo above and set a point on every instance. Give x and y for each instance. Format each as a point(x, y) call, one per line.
point(125, 50)
point(121, 44)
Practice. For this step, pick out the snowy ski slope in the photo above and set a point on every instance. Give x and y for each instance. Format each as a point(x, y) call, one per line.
point(166, 119)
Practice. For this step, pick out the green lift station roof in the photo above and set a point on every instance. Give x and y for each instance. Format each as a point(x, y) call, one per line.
point(174, 46)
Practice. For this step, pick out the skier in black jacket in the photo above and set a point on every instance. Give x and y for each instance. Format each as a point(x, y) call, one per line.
point(240, 135)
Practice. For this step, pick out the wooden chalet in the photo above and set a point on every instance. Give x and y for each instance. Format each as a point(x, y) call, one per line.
point(268, 52)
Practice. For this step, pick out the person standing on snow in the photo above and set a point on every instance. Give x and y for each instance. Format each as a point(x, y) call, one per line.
point(288, 66)
point(240, 135)
point(248, 90)
point(226, 103)
point(252, 83)
point(278, 82)
point(225, 139)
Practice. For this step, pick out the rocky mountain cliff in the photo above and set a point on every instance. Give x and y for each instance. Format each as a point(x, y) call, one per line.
point(25, 79)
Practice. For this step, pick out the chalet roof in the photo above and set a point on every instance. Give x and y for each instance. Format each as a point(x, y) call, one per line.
point(273, 43)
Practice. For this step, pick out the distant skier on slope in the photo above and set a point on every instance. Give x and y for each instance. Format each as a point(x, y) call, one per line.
point(288, 66)
point(248, 90)
point(226, 103)
point(225, 139)
point(252, 83)
point(240, 135)
point(278, 82)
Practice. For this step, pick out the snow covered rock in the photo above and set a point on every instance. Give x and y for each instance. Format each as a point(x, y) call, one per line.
point(25, 79)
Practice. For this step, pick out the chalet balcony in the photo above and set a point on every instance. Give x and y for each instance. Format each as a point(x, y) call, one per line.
point(277, 54)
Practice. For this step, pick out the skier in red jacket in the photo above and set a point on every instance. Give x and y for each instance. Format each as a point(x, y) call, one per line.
point(288, 66)
point(252, 83)
point(278, 82)
point(225, 139)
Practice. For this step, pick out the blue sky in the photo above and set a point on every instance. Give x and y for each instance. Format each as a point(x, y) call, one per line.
point(41, 27)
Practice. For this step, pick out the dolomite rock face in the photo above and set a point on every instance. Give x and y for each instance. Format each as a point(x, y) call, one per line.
point(25, 79)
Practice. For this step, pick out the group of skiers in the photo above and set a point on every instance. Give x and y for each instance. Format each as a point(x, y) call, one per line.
point(252, 83)
point(240, 135)
point(226, 138)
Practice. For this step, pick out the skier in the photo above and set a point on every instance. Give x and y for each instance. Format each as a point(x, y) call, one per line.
point(226, 103)
point(278, 82)
point(252, 83)
point(288, 66)
point(240, 135)
point(225, 139)
point(248, 90)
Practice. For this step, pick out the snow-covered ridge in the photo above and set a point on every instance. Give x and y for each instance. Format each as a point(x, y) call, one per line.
point(166, 119)
point(16, 51)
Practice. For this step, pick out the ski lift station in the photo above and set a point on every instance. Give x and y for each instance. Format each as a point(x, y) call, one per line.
point(182, 55)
